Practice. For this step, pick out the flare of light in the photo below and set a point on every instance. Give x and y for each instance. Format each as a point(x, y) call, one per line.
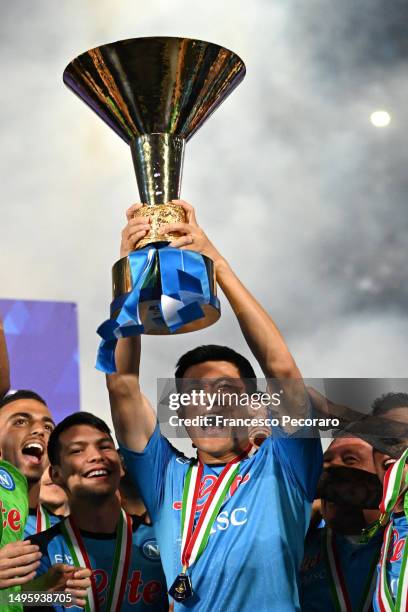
point(380, 118)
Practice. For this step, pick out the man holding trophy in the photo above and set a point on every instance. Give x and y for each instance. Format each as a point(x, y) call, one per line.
point(230, 524)
point(254, 562)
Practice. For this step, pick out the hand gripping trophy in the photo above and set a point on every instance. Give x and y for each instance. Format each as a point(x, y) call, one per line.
point(155, 93)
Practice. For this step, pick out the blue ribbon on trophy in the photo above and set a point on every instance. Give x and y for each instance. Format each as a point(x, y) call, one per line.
point(184, 289)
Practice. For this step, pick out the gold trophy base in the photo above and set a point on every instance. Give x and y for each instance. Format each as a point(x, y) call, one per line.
point(160, 214)
point(149, 309)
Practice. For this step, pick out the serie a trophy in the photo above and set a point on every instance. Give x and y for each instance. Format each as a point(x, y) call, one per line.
point(155, 93)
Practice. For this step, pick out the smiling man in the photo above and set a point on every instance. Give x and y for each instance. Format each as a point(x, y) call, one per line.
point(121, 553)
point(230, 526)
point(350, 452)
point(338, 571)
point(386, 430)
point(25, 427)
point(18, 560)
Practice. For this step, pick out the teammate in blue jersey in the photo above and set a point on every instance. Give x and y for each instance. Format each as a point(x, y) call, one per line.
point(386, 430)
point(390, 440)
point(338, 571)
point(244, 516)
point(86, 464)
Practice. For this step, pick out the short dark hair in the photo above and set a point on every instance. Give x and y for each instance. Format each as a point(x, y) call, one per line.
point(21, 394)
point(78, 418)
point(215, 352)
point(387, 402)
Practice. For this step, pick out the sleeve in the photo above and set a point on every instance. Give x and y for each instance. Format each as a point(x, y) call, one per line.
point(44, 566)
point(42, 542)
point(300, 454)
point(148, 469)
point(302, 461)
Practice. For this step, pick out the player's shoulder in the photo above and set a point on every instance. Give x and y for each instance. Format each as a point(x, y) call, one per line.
point(158, 445)
point(137, 522)
point(261, 453)
point(44, 538)
point(141, 529)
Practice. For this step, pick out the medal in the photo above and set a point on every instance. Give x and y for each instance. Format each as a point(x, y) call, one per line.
point(120, 566)
point(194, 539)
point(181, 589)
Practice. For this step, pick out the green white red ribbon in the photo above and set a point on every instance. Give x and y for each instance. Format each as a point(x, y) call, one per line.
point(194, 539)
point(395, 488)
point(338, 587)
point(393, 492)
point(393, 481)
point(120, 567)
point(43, 519)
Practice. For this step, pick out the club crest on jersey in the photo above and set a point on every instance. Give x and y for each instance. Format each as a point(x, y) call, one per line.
point(150, 550)
point(6, 480)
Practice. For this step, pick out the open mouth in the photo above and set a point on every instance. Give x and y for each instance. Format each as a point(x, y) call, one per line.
point(96, 474)
point(34, 451)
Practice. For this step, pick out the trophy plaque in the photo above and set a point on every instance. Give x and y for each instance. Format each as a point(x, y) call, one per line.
point(155, 93)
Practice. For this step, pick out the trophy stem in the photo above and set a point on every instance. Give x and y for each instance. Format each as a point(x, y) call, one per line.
point(158, 161)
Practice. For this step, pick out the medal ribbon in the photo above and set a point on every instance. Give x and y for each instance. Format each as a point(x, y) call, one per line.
point(194, 540)
point(392, 484)
point(337, 581)
point(43, 519)
point(395, 488)
point(392, 494)
point(121, 563)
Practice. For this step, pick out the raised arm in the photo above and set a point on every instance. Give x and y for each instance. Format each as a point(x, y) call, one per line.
point(129, 406)
point(133, 417)
point(4, 363)
point(301, 457)
point(260, 332)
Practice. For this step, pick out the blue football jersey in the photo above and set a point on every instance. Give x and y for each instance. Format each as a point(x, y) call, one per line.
point(31, 524)
point(256, 543)
point(146, 586)
point(357, 563)
point(395, 554)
